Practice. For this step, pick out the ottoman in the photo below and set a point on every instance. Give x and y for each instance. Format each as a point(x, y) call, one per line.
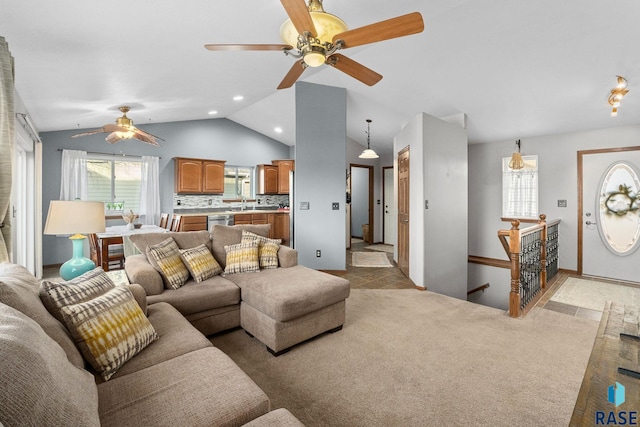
point(286, 306)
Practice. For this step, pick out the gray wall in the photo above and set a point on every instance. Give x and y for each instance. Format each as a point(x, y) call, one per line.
point(558, 176)
point(219, 139)
point(320, 177)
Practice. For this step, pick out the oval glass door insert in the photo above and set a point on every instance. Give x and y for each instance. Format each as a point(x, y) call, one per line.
point(619, 207)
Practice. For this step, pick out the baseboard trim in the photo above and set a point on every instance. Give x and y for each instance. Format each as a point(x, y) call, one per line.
point(420, 288)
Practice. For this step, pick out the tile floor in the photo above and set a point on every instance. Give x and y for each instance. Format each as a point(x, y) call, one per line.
point(374, 277)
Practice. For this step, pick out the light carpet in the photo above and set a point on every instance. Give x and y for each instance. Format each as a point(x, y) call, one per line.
point(381, 248)
point(370, 259)
point(410, 358)
point(593, 294)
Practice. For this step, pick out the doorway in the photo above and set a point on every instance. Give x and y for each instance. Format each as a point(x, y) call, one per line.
point(594, 258)
point(361, 207)
point(403, 211)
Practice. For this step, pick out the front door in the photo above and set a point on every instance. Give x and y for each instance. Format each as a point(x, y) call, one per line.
point(403, 211)
point(598, 224)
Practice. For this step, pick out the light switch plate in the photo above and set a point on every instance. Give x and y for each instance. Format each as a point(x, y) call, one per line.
point(335, 206)
point(562, 203)
point(304, 206)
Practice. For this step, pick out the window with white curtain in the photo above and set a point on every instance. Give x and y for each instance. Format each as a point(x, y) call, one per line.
point(520, 189)
point(115, 182)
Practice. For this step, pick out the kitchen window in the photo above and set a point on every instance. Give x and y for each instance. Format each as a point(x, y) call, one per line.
point(115, 182)
point(520, 189)
point(238, 182)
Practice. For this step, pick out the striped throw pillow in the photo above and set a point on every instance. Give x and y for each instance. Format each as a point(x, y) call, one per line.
point(267, 249)
point(200, 263)
point(109, 329)
point(165, 257)
point(55, 295)
point(242, 258)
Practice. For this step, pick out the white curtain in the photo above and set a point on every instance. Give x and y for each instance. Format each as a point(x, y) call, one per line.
point(150, 190)
point(74, 179)
point(7, 141)
point(520, 189)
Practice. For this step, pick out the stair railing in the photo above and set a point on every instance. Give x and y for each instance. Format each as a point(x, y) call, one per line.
point(533, 257)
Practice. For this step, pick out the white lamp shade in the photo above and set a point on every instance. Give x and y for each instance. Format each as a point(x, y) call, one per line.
point(368, 154)
point(75, 217)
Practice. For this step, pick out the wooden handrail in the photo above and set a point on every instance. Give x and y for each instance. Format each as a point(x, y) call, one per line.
point(478, 289)
point(512, 241)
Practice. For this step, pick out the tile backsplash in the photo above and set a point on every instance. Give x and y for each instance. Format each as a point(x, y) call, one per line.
point(186, 201)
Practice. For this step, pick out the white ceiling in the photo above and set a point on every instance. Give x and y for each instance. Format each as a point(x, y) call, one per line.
point(516, 68)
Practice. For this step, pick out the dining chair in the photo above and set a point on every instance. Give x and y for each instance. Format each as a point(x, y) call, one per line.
point(164, 221)
point(107, 252)
point(176, 222)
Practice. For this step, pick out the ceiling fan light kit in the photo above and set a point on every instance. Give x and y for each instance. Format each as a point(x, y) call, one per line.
point(123, 129)
point(616, 95)
point(314, 36)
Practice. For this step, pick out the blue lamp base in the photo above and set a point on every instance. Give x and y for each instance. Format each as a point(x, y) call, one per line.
point(78, 264)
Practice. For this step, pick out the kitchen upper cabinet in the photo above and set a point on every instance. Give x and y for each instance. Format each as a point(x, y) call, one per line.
point(284, 167)
point(199, 176)
point(213, 176)
point(267, 179)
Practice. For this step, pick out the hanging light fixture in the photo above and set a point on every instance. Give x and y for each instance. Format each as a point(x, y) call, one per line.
point(368, 153)
point(616, 95)
point(516, 160)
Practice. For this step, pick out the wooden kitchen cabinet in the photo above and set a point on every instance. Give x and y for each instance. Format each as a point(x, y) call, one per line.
point(194, 223)
point(284, 167)
point(267, 179)
point(199, 176)
point(280, 227)
point(250, 218)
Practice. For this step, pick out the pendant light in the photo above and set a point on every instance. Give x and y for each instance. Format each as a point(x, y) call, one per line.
point(368, 153)
point(516, 160)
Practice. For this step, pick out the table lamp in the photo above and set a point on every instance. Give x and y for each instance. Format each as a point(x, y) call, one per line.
point(77, 218)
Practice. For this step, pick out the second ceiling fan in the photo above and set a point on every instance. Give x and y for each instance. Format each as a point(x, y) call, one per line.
point(315, 37)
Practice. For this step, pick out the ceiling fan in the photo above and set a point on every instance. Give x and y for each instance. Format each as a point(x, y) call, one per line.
point(123, 129)
point(315, 37)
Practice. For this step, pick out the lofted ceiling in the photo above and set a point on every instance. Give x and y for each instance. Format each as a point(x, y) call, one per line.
point(516, 68)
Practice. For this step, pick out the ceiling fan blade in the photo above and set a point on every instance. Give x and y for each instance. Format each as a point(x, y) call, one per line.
point(298, 12)
point(113, 137)
point(294, 73)
point(143, 136)
point(241, 47)
point(384, 30)
point(105, 128)
point(354, 69)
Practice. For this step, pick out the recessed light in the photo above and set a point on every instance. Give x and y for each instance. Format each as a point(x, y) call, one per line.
point(238, 98)
point(213, 112)
point(277, 129)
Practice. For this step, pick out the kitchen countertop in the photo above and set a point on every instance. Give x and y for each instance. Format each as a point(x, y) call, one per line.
point(204, 212)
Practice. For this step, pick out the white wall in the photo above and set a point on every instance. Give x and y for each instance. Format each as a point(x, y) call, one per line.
point(558, 176)
point(438, 174)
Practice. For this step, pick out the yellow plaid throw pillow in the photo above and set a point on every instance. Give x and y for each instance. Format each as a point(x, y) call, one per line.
point(267, 248)
point(200, 263)
point(242, 257)
point(165, 257)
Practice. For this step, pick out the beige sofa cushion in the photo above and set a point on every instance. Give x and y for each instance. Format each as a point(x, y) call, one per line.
point(55, 295)
point(19, 289)
point(287, 293)
point(225, 235)
point(184, 239)
point(38, 385)
point(201, 388)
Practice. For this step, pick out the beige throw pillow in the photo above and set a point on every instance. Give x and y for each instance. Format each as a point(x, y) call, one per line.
point(55, 295)
point(267, 248)
point(165, 257)
point(109, 329)
point(242, 258)
point(200, 263)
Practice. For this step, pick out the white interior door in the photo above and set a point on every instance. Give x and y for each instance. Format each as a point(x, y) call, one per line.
point(389, 209)
point(597, 258)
